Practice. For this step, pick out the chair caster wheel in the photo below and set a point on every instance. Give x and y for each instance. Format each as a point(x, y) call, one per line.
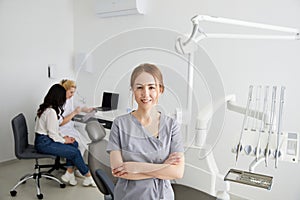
point(62, 185)
point(13, 193)
point(40, 196)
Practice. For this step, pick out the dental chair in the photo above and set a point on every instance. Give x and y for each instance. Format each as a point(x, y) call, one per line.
point(99, 164)
point(98, 159)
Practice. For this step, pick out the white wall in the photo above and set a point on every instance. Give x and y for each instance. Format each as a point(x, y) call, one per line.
point(33, 34)
point(36, 33)
point(240, 63)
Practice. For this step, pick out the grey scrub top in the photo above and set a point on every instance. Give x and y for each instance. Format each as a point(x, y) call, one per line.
point(137, 144)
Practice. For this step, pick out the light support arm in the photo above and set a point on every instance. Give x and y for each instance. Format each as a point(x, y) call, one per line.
point(182, 44)
point(222, 20)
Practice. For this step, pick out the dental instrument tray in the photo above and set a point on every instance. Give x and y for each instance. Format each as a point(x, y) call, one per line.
point(248, 178)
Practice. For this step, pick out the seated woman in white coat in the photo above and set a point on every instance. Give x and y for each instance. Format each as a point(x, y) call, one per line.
point(67, 126)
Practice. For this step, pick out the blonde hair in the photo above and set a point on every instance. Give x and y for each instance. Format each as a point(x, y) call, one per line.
point(68, 84)
point(151, 69)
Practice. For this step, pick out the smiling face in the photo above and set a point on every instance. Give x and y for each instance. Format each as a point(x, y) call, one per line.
point(146, 91)
point(70, 92)
point(70, 87)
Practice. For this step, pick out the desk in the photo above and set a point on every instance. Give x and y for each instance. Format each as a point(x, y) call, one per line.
point(105, 118)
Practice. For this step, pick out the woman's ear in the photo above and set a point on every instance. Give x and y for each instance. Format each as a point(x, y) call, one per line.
point(161, 89)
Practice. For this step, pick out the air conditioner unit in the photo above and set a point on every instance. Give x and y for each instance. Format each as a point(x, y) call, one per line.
point(111, 8)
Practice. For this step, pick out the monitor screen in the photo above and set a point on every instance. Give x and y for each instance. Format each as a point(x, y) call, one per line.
point(110, 100)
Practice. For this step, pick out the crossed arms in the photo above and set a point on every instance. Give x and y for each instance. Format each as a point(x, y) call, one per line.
point(172, 168)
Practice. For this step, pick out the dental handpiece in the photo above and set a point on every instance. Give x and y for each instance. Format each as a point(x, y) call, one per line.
point(256, 108)
point(279, 124)
point(244, 121)
point(272, 115)
point(262, 123)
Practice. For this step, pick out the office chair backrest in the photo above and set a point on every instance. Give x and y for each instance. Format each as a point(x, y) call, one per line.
point(98, 158)
point(20, 132)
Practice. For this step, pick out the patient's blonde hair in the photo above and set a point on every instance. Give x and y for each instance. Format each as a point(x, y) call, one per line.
point(68, 84)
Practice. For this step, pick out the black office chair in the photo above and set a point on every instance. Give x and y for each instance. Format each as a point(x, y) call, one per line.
point(99, 164)
point(24, 150)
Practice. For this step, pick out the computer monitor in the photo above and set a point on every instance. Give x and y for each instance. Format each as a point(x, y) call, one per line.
point(109, 101)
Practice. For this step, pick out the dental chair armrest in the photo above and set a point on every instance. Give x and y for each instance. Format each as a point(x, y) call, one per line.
point(183, 191)
point(106, 181)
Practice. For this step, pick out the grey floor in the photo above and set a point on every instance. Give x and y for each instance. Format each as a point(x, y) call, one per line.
point(12, 171)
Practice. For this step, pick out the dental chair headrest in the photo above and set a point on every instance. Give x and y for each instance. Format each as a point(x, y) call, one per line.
point(95, 131)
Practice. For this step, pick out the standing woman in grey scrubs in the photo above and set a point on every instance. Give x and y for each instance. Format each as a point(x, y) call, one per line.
point(145, 146)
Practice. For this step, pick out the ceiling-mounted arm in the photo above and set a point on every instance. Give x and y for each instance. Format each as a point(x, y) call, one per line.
point(185, 45)
point(222, 20)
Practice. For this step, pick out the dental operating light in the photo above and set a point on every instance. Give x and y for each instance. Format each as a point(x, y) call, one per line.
point(186, 45)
